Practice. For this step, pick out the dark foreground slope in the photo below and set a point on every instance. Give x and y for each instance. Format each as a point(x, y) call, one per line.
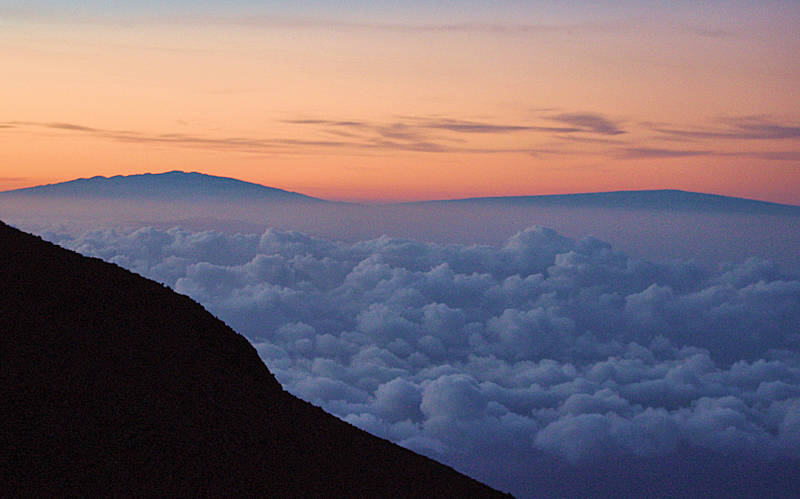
point(112, 383)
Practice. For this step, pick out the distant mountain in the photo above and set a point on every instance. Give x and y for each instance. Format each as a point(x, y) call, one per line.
point(113, 384)
point(174, 185)
point(662, 200)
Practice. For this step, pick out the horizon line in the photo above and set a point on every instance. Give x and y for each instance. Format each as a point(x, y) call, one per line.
point(373, 201)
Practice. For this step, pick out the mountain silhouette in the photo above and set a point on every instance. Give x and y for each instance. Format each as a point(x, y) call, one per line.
point(662, 200)
point(113, 384)
point(162, 186)
point(193, 186)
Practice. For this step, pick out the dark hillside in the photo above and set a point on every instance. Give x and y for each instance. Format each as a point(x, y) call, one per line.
point(114, 384)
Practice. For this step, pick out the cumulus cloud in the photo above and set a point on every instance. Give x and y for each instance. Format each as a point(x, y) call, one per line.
point(491, 356)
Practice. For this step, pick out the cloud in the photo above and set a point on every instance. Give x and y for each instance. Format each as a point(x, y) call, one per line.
point(70, 126)
point(176, 139)
point(650, 152)
point(387, 137)
point(441, 134)
point(478, 127)
point(655, 152)
point(494, 357)
point(446, 135)
point(343, 123)
point(416, 125)
point(589, 122)
point(743, 128)
point(775, 155)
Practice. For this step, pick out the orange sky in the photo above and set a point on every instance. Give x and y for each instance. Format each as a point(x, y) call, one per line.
point(401, 106)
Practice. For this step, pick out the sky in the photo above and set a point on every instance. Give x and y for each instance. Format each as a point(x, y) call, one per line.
point(389, 101)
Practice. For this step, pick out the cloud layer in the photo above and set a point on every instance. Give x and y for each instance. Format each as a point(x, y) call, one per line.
point(447, 135)
point(491, 356)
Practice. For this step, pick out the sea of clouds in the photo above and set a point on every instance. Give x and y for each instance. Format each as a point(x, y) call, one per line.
point(486, 355)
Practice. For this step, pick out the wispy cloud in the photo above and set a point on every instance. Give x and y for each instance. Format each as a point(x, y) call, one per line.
point(589, 122)
point(326, 122)
point(446, 134)
point(477, 127)
point(178, 139)
point(745, 128)
point(448, 124)
point(776, 155)
point(375, 138)
point(655, 152)
point(652, 152)
point(583, 139)
point(70, 126)
point(453, 135)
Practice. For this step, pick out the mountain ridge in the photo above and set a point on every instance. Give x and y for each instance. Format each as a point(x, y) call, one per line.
point(663, 199)
point(113, 384)
point(173, 184)
point(191, 186)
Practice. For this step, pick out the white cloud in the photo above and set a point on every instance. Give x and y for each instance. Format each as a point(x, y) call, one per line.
point(543, 346)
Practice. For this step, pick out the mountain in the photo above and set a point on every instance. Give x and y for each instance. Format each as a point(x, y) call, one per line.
point(178, 185)
point(113, 384)
point(167, 186)
point(661, 200)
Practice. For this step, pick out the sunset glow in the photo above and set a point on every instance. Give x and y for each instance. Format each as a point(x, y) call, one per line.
point(375, 102)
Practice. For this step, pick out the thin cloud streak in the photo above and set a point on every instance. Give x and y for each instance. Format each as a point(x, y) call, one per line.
point(590, 122)
point(776, 155)
point(652, 152)
point(70, 126)
point(390, 138)
point(326, 122)
point(581, 123)
point(739, 129)
point(450, 135)
point(476, 127)
point(412, 134)
point(452, 125)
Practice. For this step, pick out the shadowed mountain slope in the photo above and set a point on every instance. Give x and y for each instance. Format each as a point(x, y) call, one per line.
point(162, 186)
point(114, 384)
point(668, 200)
